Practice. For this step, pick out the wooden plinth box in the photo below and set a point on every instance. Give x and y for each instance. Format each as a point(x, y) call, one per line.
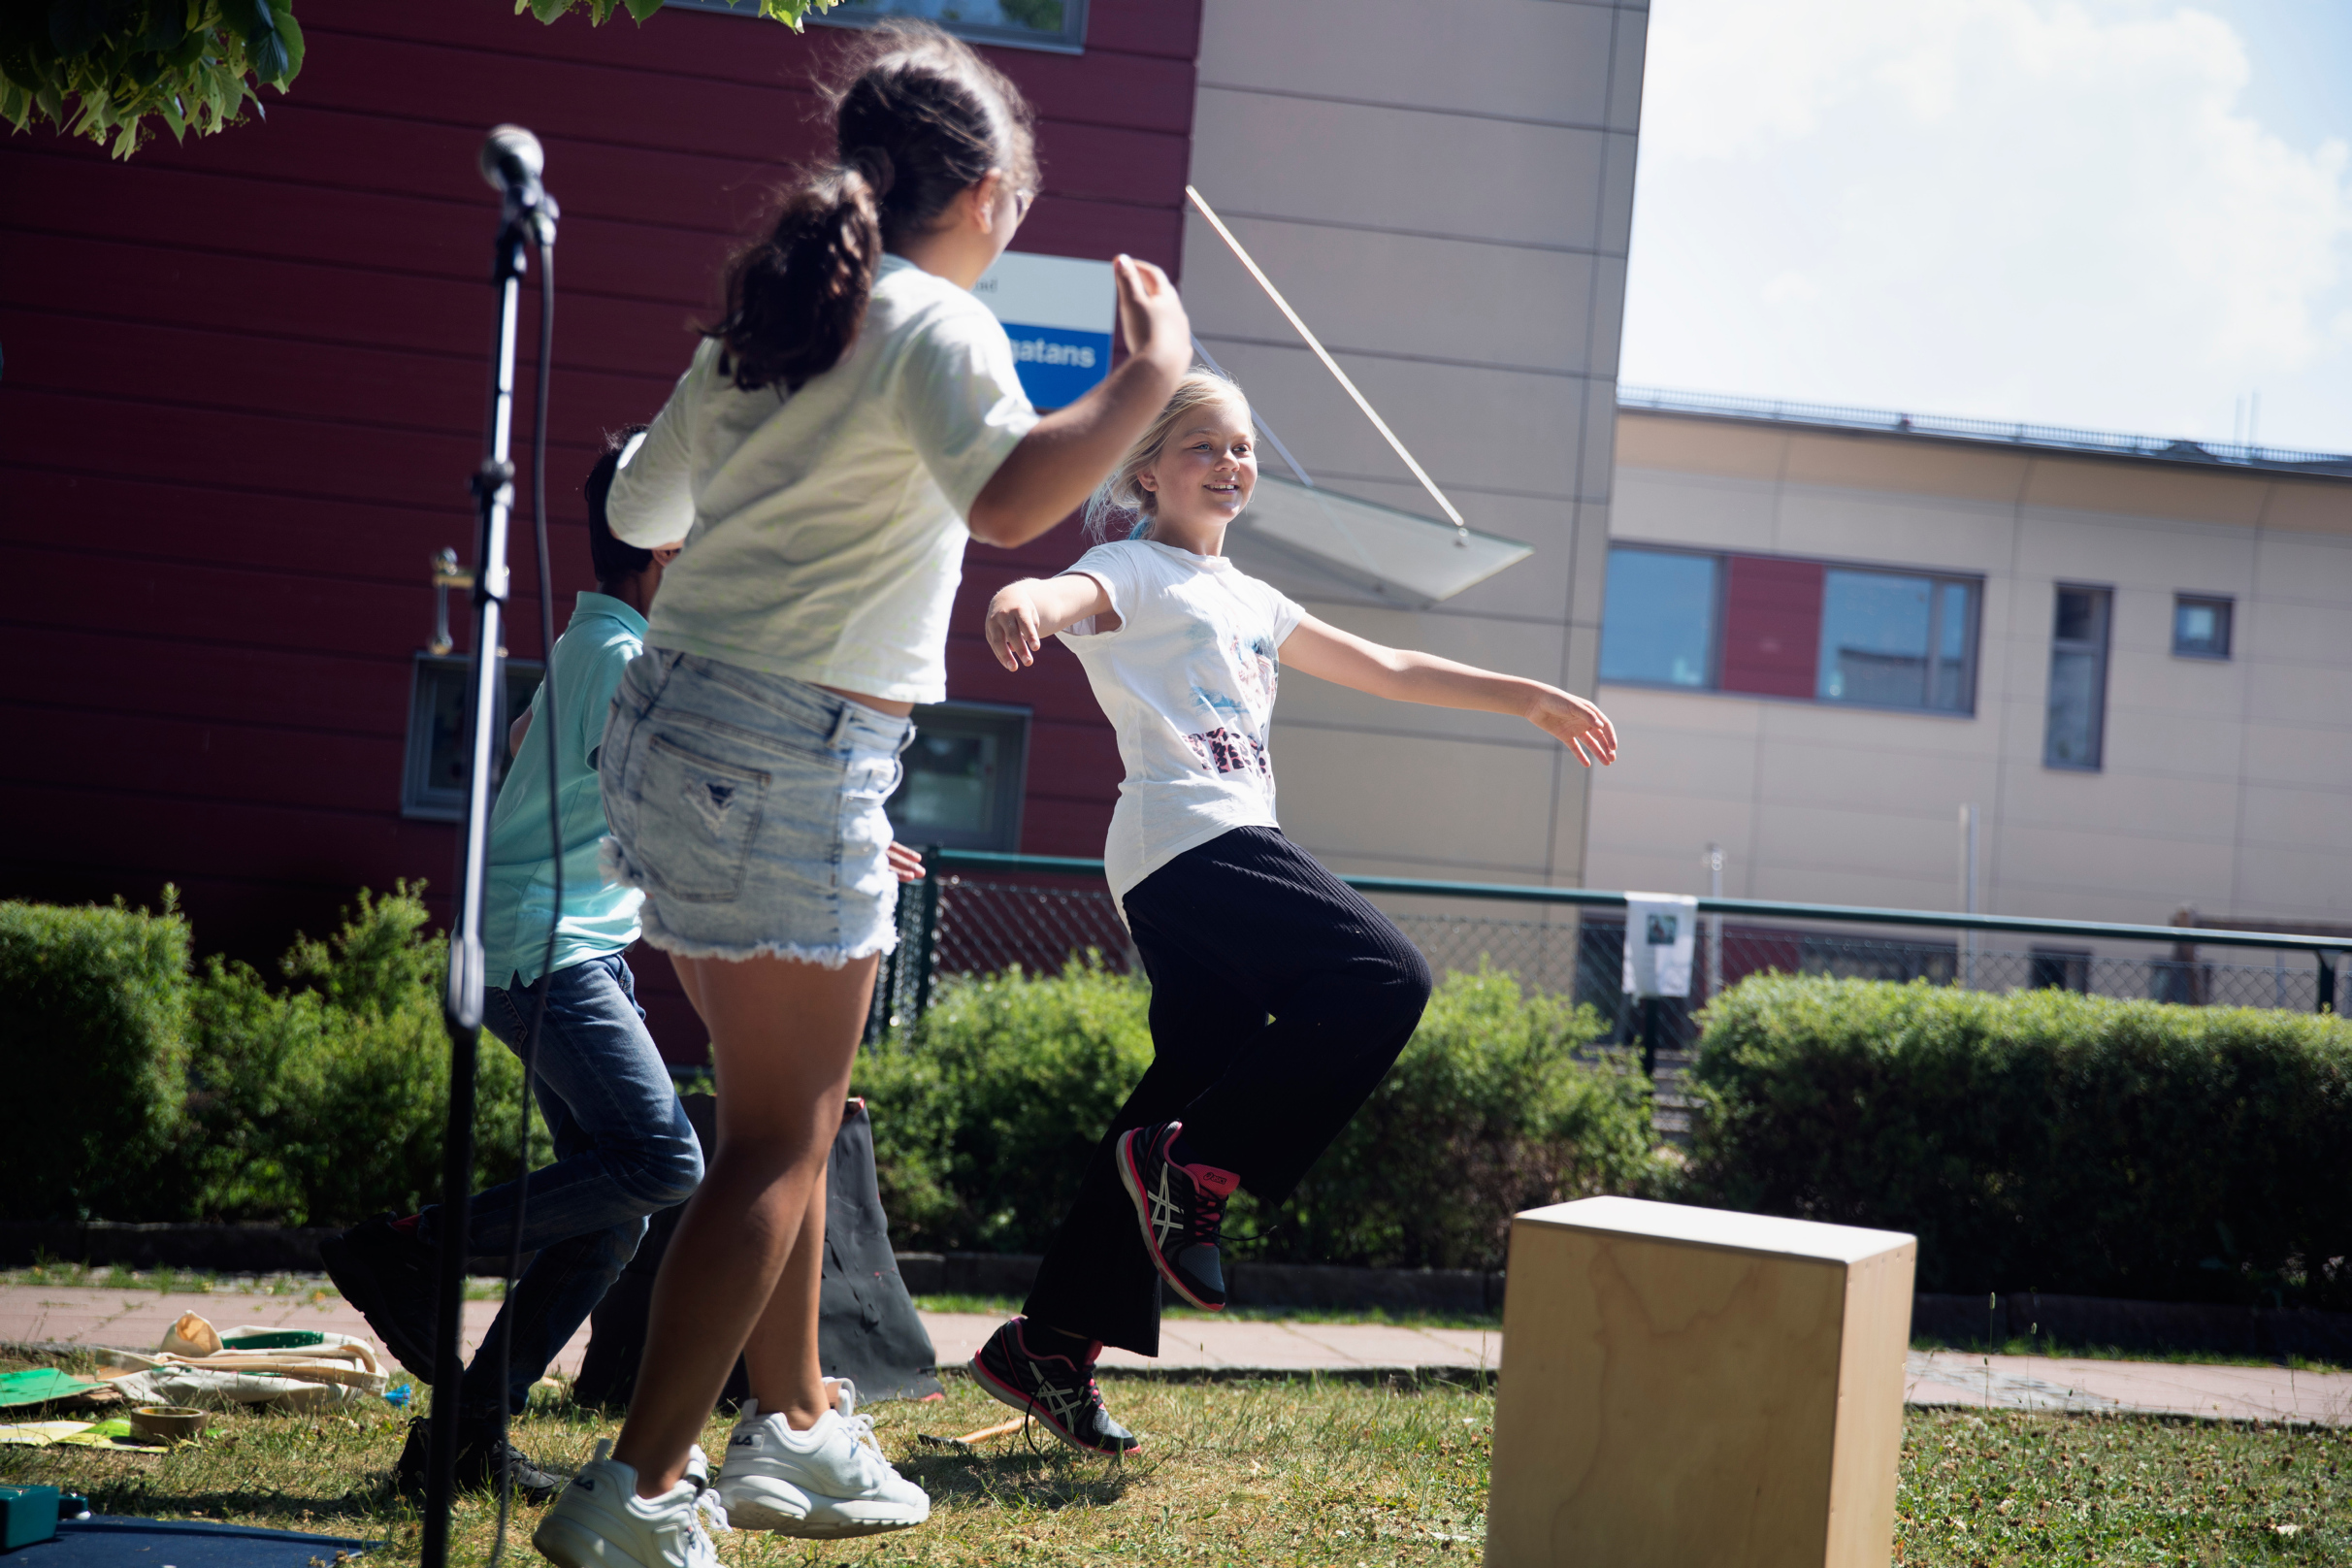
point(1686, 1388)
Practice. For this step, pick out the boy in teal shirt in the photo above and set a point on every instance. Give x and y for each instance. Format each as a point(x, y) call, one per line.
point(624, 1148)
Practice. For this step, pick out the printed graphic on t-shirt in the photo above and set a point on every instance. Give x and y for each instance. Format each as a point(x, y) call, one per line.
point(1221, 751)
point(1256, 666)
point(1239, 744)
point(1187, 681)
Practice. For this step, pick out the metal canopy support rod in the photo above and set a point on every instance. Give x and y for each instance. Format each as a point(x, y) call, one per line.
point(1324, 355)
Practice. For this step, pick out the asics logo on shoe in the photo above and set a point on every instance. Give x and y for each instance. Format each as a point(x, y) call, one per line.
point(1061, 1403)
point(1165, 1215)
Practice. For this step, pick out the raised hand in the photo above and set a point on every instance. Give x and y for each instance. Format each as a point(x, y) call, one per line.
point(1151, 320)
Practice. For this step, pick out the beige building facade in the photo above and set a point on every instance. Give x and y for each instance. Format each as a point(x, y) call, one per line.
point(1446, 196)
point(2145, 662)
point(1445, 193)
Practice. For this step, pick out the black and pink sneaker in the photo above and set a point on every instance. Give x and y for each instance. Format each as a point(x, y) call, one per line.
point(1059, 1390)
point(1182, 1208)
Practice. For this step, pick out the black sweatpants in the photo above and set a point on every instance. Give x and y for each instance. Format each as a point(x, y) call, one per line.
point(1235, 929)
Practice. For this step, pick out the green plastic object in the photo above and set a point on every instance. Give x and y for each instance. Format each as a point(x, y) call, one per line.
point(28, 1515)
point(285, 1339)
point(40, 1386)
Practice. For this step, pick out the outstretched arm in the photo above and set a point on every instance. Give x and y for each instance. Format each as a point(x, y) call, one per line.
point(1320, 649)
point(1025, 614)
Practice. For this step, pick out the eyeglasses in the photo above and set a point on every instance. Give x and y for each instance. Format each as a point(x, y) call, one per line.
point(1020, 202)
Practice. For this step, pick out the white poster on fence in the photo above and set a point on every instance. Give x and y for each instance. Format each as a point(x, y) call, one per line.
point(1660, 929)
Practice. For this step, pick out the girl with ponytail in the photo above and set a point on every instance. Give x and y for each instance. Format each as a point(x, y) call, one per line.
point(851, 421)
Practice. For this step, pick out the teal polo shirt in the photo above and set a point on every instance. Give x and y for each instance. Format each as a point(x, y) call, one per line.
point(519, 893)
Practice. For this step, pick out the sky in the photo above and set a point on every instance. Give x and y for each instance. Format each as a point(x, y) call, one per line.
point(2122, 214)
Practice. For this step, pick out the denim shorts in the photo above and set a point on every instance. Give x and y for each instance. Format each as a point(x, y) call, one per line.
point(749, 808)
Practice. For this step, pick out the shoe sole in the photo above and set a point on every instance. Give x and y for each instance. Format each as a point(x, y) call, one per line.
point(747, 1510)
point(573, 1545)
point(1004, 1393)
point(361, 1286)
point(813, 1529)
point(1130, 1177)
point(776, 1516)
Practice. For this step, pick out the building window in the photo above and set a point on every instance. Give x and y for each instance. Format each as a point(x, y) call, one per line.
point(2079, 656)
point(2059, 968)
point(1058, 26)
point(1658, 617)
point(1773, 626)
point(2200, 627)
point(1862, 957)
point(966, 774)
point(1890, 641)
point(440, 746)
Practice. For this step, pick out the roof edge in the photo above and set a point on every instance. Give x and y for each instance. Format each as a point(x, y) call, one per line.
point(2272, 461)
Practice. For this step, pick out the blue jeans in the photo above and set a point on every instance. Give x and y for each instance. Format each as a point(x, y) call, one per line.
point(749, 808)
point(623, 1150)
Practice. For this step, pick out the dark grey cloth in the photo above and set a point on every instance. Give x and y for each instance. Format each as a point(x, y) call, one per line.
point(867, 1329)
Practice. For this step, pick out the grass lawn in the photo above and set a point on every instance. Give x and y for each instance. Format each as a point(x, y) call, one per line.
point(1300, 1473)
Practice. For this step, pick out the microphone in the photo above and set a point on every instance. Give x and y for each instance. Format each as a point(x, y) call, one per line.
point(513, 161)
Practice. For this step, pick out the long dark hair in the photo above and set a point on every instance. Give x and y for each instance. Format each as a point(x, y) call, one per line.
point(920, 118)
point(612, 558)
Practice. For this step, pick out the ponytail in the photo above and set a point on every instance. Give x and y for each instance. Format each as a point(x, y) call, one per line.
point(921, 119)
point(795, 299)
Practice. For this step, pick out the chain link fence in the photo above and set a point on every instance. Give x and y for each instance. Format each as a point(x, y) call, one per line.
point(955, 924)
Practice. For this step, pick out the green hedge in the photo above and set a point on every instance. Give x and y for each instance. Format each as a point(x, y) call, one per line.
point(325, 1102)
point(984, 1117)
point(985, 1114)
point(2044, 1140)
point(167, 1093)
point(95, 1045)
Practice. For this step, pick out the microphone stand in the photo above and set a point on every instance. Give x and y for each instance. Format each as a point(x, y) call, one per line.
point(527, 219)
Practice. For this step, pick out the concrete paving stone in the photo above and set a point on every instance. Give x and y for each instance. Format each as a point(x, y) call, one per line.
point(138, 1318)
point(2059, 1383)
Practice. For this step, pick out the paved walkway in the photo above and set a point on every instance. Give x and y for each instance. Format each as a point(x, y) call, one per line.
point(2057, 1383)
point(138, 1318)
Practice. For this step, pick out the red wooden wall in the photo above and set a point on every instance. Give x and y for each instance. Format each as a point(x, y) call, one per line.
point(244, 389)
point(1772, 625)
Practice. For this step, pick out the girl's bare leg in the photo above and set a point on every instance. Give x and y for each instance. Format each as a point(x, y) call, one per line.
point(743, 1271)
point(690, 981)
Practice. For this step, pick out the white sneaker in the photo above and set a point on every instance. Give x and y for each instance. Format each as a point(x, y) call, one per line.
point(828, 1482)
point(600, 1522)
point(706, 1495)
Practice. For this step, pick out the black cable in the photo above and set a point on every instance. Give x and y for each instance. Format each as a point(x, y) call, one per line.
point(547, 725)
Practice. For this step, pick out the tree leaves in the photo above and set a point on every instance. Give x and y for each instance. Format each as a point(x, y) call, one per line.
point(791, 13)
point(101, 68)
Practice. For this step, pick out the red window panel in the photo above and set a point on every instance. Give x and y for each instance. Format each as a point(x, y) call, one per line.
point(1772, 625)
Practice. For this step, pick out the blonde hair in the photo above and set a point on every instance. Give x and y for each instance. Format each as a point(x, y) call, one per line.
point(1120, 506)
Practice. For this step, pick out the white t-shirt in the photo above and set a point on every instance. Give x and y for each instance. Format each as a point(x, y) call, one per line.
point(1187, 681)
point(824, 528)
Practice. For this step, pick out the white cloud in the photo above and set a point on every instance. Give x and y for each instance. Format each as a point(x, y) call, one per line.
point(2010, 208)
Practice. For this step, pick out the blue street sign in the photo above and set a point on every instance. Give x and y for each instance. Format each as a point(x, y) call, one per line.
point(1059, 311)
